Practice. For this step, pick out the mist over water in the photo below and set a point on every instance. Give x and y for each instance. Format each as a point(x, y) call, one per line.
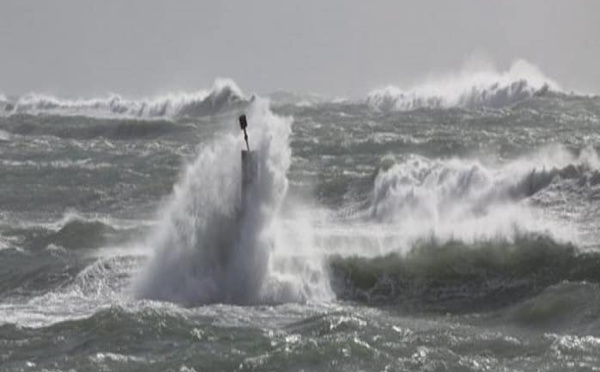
point(449, 226)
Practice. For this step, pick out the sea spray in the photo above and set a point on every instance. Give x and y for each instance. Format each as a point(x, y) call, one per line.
point(208, 248)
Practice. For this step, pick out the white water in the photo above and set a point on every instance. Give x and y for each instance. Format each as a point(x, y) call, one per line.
point(419, 199)
point(472, 87)
point(222, 95)
point(206, 250)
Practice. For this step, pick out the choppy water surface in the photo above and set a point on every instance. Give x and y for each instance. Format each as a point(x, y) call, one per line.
point(405, 232)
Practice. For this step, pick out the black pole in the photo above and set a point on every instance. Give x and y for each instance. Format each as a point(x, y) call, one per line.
point(249, 165)
point(243, 126)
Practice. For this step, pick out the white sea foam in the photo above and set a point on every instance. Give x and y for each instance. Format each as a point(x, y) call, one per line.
point(420, 198)
point(207, 250)
point(467, 199)
point(472, 87)
point(224, 94)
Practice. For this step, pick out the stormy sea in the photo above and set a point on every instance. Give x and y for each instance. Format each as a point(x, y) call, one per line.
point(448, 226)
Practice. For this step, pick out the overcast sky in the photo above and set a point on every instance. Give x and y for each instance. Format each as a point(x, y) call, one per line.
point(336, 47)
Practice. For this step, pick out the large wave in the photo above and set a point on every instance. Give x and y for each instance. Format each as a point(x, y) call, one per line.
point(450, 203)
point(207, 249)
point(461, 235)
point(469, 199)
point(225, 94)
point(468, 89)
point(455, 276)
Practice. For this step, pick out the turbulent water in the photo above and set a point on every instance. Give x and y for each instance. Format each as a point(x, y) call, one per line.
point(448, 227)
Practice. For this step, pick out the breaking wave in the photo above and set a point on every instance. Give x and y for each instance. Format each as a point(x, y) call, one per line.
point(224, 95)
point(454, 235)
point(470, 200)
point(468, 89)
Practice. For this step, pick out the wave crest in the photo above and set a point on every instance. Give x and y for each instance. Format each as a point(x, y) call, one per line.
point(459, 277)
point(225, 94)
point(464, 199)
point(469, 89)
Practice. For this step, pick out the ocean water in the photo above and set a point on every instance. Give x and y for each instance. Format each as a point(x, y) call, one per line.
point(448, 227)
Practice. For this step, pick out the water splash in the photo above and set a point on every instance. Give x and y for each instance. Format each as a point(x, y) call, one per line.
point(207, 250)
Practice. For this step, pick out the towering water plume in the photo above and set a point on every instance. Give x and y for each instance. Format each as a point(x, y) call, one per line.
point(207, 249)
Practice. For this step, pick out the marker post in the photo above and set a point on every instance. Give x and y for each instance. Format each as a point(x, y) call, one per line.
point(249, 164)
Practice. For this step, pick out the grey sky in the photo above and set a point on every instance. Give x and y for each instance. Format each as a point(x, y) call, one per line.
point(336, 47)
